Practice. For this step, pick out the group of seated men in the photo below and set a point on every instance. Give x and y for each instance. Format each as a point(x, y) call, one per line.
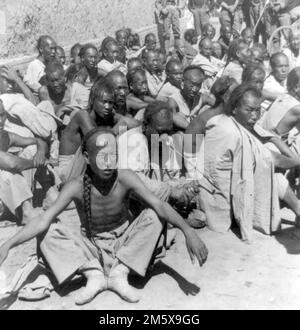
point(142, 142)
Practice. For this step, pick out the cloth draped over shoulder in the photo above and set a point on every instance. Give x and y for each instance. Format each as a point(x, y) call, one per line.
point(239, 180)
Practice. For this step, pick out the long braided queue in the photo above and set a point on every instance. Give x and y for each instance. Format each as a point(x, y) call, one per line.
point(87, 187)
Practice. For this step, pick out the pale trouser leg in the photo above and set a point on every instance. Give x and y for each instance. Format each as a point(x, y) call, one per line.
point(14, 190)
point(282, 185)
point(141, 241)
point(66, 252)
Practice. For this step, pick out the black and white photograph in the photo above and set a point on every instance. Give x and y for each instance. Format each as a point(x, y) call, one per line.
point(149, 157)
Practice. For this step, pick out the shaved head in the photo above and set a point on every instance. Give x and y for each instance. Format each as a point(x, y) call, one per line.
point(44, 40)
point(276, 58)
point(47, 48)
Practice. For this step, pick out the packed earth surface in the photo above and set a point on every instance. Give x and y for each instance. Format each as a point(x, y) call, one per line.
point(263, 275)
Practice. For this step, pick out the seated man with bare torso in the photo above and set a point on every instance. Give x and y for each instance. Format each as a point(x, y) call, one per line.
point(126, 244)
point(101, 113)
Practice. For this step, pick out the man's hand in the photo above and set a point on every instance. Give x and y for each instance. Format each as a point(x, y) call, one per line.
point(39, 159)
point(11, 73)
point(3, 253)
point(196, 248)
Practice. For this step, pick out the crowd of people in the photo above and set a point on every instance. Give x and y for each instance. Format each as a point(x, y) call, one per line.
point(142, 140)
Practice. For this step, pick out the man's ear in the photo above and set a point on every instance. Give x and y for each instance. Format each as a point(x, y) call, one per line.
point(40, 50)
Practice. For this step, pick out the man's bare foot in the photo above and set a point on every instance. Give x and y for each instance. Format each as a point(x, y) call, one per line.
point(118, 283)
point(95, 285)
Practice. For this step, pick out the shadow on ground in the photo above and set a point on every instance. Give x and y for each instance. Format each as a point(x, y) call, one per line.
point(160, 268)
point(290, 239)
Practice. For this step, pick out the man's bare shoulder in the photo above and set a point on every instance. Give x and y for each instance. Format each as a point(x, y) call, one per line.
point(74, 187)
point(82, 115)
point(81, 118)
point(127, 177)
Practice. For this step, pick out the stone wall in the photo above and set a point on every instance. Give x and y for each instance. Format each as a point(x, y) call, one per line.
point(68, 21)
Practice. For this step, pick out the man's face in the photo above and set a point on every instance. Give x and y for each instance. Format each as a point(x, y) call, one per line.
point(48, 50)
point(3, 116)
point(206, 48)
point(175, 75)
point(152, 62)
point(278, 5)
point(227, 33)
point(112, 52)
point(122, 38)
point(56, 81)
point(162, 122)
point(244, 55)
point(120, 87)
point(295, 42)
point(104, 106)
point(90, 58)
point(102, 155)
point(192, 83)
point(139, 85)
point(248, 113)
point(257, 56)
point(151, 43)
point(217, 50)
point(248, 37)
point(281, 68)
point(258, 79)
point(209, 33)
point(61, 56)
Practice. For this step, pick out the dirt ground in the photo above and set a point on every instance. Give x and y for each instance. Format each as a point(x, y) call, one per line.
point(264, 275)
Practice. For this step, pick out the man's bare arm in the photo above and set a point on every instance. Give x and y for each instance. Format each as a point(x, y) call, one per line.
point(84, 121)
point(13, 76)
point(282, 147)
point(269, 95)
point(42, 223)
point(14, 164)
point(135, 103)
point(43, 94)
point(42, 147)
point(179, 119)
point(195, 246)
point(285, 163)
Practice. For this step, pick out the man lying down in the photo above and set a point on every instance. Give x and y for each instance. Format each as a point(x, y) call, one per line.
point(111, 243)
